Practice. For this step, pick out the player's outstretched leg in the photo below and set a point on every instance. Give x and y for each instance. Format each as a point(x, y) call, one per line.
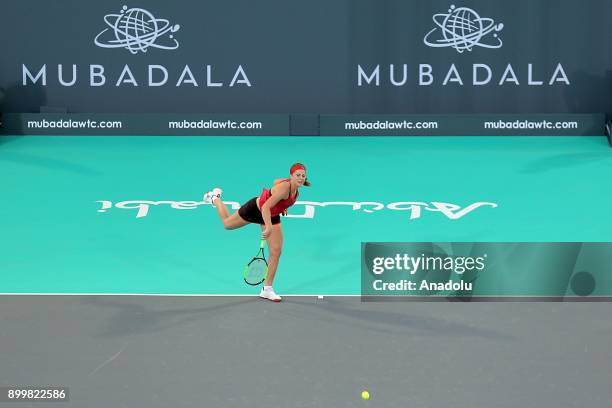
point(229, 221)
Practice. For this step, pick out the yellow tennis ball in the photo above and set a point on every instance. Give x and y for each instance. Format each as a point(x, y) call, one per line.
point(365, 395)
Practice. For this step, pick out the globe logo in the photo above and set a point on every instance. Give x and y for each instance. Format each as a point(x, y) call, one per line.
point(463, 29)
point(136, 29)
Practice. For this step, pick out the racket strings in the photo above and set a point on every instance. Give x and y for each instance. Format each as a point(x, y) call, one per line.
point(256, 271)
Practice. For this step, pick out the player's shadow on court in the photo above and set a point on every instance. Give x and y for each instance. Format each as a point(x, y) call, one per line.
point(566, 161)
point(385, 321)
point(5, 139)
point(48, 163)
point(148, 316)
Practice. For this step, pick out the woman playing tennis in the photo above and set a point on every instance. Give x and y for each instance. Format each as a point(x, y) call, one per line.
point(266, 211)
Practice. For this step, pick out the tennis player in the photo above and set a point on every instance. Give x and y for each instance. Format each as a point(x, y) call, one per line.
point(265, 210)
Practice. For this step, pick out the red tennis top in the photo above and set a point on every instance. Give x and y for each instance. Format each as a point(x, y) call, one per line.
point(282, 205)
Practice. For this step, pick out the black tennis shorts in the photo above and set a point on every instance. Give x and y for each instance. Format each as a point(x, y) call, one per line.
point(249, 212)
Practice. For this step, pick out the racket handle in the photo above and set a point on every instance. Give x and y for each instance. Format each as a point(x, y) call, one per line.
point(262, 244)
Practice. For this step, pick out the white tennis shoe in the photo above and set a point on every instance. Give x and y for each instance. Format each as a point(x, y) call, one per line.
point(212, 195)
point(270, 295)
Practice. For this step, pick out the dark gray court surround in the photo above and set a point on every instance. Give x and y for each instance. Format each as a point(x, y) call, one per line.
point(119, 351)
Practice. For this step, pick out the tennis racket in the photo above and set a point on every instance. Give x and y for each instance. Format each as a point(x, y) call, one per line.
point(256, 271)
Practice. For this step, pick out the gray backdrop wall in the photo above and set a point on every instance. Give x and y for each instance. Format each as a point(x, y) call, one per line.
point(320, 56)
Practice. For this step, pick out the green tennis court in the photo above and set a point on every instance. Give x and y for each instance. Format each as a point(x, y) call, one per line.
point(107, 214)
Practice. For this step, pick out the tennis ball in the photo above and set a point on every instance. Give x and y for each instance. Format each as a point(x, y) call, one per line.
point(365, 395)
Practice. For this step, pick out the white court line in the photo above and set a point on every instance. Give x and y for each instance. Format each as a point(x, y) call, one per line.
point(160, 294)
point(433, 297)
